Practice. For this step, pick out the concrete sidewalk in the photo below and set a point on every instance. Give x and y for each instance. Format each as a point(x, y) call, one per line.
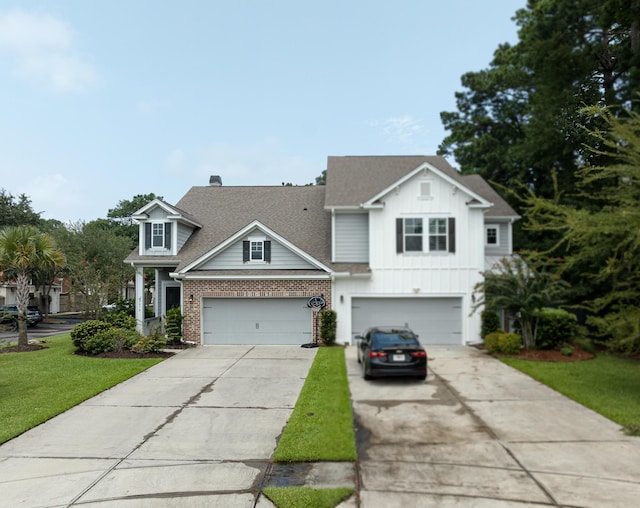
point(481, 434)
point(197, 430)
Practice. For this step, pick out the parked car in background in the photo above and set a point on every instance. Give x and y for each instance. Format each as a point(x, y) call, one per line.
point(391, 351)
point(9, 315)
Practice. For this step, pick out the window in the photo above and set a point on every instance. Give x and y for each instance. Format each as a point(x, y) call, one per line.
point(438, 235)
point(157, 235)
point(413, 235)
point(441, 235)
point(492, 237)
point(256, 251)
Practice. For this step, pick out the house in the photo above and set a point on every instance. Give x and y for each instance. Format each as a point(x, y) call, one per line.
point(389, 240)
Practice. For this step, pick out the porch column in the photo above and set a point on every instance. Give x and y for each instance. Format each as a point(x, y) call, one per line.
point(140, 303)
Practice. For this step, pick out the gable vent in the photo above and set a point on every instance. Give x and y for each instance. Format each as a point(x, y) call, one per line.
point(215, 180)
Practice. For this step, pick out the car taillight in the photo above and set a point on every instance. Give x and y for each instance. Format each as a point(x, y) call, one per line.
point(419, 354)
point(377, 354)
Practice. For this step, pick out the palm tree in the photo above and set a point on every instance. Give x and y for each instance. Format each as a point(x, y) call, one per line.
point(23, 251)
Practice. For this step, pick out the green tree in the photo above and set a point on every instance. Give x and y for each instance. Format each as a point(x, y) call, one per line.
point(523, 286)
point(24, 250)
point(17, 211)
point(95, 254)
point(523, 117)
point(598, 226)
point(121, 220)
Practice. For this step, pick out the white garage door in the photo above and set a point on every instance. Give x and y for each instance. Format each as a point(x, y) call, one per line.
point(435, 320)
point(256, 321)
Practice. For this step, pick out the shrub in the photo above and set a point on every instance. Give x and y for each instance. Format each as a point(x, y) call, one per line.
point(490, 322)
point(491, 342)
point(509, 343)
point(120, 320)
point(173, 324)
point(505, 343)
point(149, 344)
point(112, 339)
point(328, 319)
point(86, 330)
point(556, 327)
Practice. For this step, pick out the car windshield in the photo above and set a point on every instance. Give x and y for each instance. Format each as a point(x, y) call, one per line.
point(394, 338)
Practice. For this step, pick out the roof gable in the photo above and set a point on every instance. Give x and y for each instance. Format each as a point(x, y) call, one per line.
point(252, 228)
point(294, 214)
point(354, 181)
point(172, 212)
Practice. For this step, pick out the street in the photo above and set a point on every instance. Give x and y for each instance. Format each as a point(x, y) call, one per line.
point(48, 329)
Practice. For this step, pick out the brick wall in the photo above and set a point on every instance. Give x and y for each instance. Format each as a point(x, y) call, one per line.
point(200, 289)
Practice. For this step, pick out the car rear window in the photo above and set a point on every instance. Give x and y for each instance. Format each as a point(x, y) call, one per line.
point(383, 339)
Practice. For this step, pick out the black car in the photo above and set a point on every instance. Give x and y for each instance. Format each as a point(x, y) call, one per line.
point(391, 351)
point(9, 315)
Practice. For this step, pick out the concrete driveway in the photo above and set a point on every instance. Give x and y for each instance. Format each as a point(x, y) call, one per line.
point(480, 434)
point(197, 430)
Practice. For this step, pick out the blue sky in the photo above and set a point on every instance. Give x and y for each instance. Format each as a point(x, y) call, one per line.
point(105, 99)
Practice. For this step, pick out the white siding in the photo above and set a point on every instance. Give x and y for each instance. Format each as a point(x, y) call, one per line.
point(423, 275)
point(281, 258)
point(351, 238)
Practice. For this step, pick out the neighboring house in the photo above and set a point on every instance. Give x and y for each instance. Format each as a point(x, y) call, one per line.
point(389, 240)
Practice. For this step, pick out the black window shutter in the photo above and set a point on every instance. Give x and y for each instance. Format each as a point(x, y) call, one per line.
point(167, 235)
point(267, 251)
point(452, 234)
point(147, 235)
point(245, 251)
point(399, 236)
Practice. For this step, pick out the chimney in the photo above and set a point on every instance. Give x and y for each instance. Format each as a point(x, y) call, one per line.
point(215, 181)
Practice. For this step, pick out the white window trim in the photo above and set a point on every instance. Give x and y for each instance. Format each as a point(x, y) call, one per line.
point(487, 227)
point(153, 226)
point(252, 240)
point(426, 236)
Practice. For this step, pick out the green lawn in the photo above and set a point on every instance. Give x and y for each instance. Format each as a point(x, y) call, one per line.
point(321, 426)
point(304, 497)
point(39, 385)
point(607, 384)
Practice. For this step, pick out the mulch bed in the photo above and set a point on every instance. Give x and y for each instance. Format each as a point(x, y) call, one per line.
point(21, 349)
point(548, 355)
point(112, 354)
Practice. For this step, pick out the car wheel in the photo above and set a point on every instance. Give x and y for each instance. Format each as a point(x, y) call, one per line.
point(366, 376)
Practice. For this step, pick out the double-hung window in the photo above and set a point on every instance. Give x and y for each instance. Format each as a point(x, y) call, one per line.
point(157, 235)
point(256, 250)
point(433, 234)
point(413, 235)
point(491, 235)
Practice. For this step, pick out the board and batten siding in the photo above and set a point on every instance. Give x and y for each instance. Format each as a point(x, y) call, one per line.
point(281, 258)
point(351, 238)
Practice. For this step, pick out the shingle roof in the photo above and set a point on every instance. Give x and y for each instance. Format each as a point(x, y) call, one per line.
point(295, 213)
point(353, 180)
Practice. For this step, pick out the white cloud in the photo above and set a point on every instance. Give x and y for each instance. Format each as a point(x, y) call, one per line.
point(43, 49)
point(401, 130)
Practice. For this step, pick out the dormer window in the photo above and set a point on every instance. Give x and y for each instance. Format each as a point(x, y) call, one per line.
point(157, 235)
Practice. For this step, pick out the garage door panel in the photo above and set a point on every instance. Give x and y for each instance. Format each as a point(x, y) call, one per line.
point(435, 320)
point(256, 321)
